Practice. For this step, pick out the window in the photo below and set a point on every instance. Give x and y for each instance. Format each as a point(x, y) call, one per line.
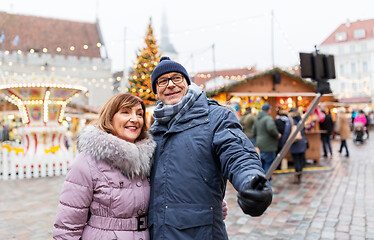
point(342, 85)
point(353, 67)
point(364, 47)
point(341, 69)
point(359, 33)
point(340, 36)
point(341, 50)
point(364, 67)
point(354, 86)
point(352, 48)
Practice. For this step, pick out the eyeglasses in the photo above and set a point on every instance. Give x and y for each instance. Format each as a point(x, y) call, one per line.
point(164, 82)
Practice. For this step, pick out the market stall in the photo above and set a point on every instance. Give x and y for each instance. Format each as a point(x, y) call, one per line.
point(282, 90)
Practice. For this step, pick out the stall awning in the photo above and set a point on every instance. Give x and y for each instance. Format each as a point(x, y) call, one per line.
point(363, 99)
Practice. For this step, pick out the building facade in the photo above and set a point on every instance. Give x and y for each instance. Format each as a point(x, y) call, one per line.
point(34, 47)
point(352, 45)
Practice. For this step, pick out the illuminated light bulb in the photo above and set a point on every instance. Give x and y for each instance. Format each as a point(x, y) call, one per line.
point(85, 47)
point(32, 50)
point(58, 49)
point(72, 48)
point(299, 98)
point(19, 52)
point(45, 50)
point(289, 100)
point(98, 44)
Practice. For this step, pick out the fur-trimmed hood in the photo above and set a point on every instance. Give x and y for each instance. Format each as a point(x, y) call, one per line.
point(132, 159)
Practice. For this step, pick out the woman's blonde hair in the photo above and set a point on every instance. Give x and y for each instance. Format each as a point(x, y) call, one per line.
point(116, 103)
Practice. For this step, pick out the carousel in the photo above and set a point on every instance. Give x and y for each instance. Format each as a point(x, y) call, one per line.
point(43, 150)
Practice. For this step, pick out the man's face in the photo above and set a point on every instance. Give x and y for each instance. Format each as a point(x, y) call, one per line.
point(171, 93)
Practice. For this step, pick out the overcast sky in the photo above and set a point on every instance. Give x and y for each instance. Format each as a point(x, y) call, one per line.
point(240, 30)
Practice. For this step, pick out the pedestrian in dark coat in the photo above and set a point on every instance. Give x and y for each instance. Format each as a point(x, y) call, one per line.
point(200, 145)
point(326, 126)
point(298, 148)
point(283, 123)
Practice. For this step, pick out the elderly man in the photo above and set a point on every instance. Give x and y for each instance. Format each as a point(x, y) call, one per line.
point(200, 145)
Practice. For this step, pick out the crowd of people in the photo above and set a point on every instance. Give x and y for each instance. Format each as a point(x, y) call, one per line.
point(270, 134)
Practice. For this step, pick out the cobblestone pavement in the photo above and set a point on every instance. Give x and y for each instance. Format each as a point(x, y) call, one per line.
point(337, 203)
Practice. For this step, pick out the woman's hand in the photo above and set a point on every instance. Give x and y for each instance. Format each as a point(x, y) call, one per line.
point(224, 209)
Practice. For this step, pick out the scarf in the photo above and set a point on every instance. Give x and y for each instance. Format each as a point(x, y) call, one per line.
point(168, 114)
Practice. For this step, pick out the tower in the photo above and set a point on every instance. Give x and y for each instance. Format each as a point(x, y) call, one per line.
point(166, 47)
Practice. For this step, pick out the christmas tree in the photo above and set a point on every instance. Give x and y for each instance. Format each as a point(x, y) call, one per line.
point(146, 60)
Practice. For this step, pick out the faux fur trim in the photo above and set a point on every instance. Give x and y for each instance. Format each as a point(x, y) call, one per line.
point(132, 159)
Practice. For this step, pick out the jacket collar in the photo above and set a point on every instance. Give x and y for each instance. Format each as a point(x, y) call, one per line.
point(132, 159)
point(196, 114)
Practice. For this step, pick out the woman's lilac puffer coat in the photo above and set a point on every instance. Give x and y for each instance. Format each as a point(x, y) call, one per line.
point(106, 189)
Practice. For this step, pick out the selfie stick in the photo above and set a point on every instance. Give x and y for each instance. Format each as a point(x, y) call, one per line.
point(292, 137)
point(319, 68)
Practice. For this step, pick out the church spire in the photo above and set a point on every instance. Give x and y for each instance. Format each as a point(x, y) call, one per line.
point(166, 47)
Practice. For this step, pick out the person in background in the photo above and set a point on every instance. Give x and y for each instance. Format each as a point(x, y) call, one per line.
point(344, 130)
point(354, 115)
point(106, 191)
point(283, 123)
point(1, 131)
point(200, 145)
point(5, 132)
point(367, 125)
point(326, 126)
point(298, 148)
point(360, 120)
point(247, 121)
point(266, 136)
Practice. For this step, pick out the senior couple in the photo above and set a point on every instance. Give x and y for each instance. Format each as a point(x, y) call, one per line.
point(127, 184)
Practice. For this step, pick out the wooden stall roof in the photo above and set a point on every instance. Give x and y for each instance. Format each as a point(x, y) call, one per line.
point(262, 84)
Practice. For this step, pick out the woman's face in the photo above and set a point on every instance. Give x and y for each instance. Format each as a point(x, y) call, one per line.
point(128, 123)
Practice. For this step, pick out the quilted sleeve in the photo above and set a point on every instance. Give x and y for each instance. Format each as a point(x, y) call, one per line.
point(75, 199)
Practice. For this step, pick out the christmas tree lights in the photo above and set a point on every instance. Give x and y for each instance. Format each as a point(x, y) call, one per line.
point(146, 60)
